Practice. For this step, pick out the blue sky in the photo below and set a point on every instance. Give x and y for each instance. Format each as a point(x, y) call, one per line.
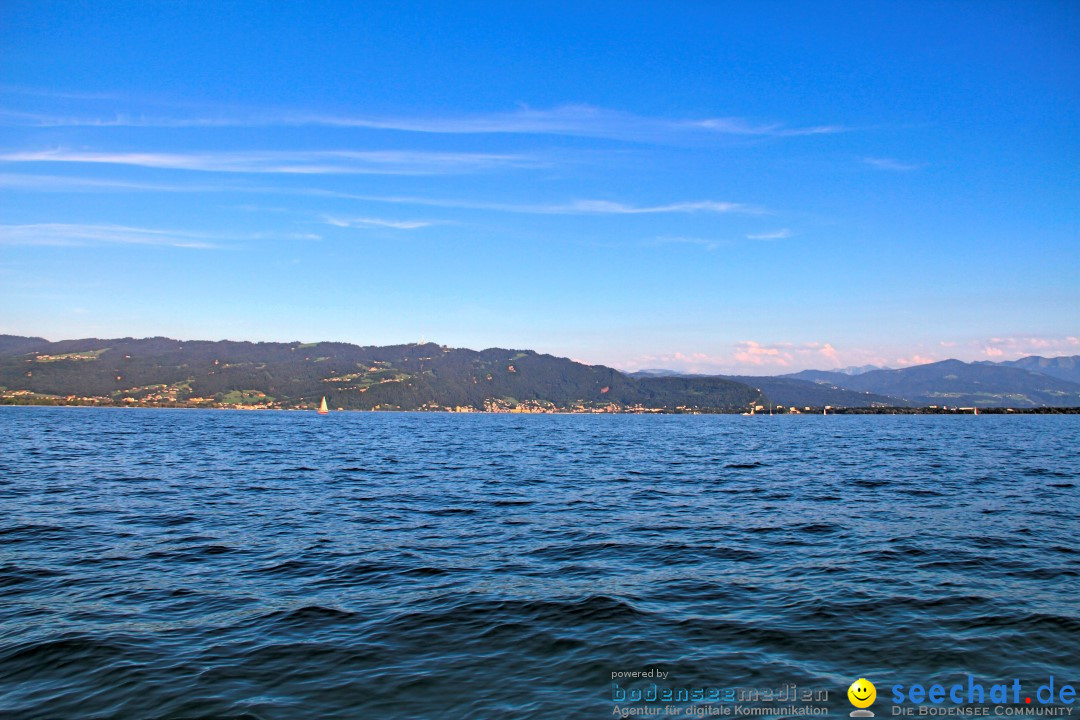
point(715, 187)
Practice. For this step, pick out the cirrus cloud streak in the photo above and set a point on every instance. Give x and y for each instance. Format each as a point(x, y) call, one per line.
point(84, 235)
point(320, 162)
point(572, 120)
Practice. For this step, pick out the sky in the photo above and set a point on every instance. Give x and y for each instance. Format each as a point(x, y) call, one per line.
point(752, 188)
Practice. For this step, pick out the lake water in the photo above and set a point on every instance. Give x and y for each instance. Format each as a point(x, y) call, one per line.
point(183, 563)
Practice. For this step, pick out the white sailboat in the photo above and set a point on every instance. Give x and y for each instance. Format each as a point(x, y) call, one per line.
point(323, 410)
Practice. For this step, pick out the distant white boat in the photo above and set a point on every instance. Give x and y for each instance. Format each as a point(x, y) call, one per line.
point(323, 410)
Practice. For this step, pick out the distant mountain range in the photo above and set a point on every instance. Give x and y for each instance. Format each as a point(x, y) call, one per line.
point(161, 371)
point(1028, 382)
point(795, 392)
point(792, 392)
point(1063, 368)
point(860, 369)
point(1025, 383)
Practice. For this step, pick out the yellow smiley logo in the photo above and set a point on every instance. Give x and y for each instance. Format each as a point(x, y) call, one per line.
point(862, 693)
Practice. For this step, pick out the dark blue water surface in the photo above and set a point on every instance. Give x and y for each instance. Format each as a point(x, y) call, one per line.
point(182, 563)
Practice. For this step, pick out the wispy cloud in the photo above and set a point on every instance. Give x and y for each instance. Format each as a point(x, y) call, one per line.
point(56, 183)
point(752, 357)
point(324, 162)
point(890, 164)
point(606, 207)
point(754, 353)
point(748, 356)
point(1011, 348)
point(704, 243)
point(379, 222)
point(915, 359)
point(570, 120)
point(712, 243)
point(775, 235)
point(574, 207)
point(74, 235)
point(59, 183)
point(995, 349)
point(81, 235)
point(64, 94)
point(785, 355)
point(741, 126)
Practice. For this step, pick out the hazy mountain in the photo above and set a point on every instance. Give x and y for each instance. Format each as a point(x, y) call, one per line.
point(791, 391)
point(161, 370)
point(1063, 368)
point(799, 393)
point(953, 382)
point(860, 369)
point(660, 372)
point(831, 377)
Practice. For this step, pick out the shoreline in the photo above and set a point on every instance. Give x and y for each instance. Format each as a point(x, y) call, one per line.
point(650, 411)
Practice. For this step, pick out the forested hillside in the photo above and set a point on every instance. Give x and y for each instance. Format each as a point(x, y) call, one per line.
point(407, 377)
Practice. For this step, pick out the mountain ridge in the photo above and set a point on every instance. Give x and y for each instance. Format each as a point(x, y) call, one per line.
point(955, 382)
point(161, 370)
point(164, 371)
point(1064, 367)
point(1028, 382)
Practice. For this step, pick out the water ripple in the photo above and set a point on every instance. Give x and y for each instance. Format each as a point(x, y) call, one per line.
point(283, 565)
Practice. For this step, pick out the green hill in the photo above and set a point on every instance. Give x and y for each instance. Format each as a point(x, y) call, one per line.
point(162, 371)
